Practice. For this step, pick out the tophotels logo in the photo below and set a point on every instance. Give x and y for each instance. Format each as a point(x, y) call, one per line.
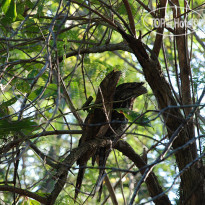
point(174, 23)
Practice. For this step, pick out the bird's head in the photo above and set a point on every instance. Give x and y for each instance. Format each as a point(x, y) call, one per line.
point(126, 93)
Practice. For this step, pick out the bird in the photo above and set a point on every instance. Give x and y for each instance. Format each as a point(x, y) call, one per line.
point(124, 97)
point(99, 114)
point(109, 97)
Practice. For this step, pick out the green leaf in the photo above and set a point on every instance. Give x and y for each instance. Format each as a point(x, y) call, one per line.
point(12, 11)
point(9, 9)
point(51, 90)
point(4, 106)
point(29, 4)
point(5, 5)
point(135, 117)
point(10, 102)
point(9, 127)
point(44, 194)
point(31, 202)
point(34, 202)
point(23, 86)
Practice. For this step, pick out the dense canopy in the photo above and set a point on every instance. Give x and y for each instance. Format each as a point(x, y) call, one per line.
point(126, 77)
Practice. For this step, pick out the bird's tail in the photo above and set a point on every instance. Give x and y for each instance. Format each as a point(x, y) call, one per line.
point(103, 154)
point(79, 179)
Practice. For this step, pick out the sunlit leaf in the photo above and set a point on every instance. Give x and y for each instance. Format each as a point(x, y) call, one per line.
point(23, 86)
point(5, 5)
point(9, 8)
point(135, 117)
point(10, 102)
point(8, 127)
point(34, 202)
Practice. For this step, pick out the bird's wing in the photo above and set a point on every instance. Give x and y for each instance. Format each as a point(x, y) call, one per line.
point(100, 115)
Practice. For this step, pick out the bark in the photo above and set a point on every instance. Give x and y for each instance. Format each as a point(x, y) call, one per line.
point(124, 97)
point(191, 192)
point(23, 192)
point(159, 35)
point(100, 113)
point(152, 183)
point(65, 166)
point(191, 189)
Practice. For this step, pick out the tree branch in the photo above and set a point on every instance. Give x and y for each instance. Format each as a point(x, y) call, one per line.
point(23, 192)
point(130, 16)
point(172, 119)
point(152, 182)
point(160, 30)
point(46, 133)
point(74, 155)
point(99, 49)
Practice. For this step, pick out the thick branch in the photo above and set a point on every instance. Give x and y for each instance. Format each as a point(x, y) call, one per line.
point(74, 155)
point(130, 16)
point(152, 183)
point(173, 118)
point(99, 49)
point(23, 192)
point(160, 30)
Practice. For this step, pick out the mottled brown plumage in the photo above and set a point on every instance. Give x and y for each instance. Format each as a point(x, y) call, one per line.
point(100, 114)
point(123, 97)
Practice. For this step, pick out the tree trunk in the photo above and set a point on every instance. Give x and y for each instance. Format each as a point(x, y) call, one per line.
point(192, 178)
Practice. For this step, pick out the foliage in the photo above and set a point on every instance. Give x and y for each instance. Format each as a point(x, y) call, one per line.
point(54, 55)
